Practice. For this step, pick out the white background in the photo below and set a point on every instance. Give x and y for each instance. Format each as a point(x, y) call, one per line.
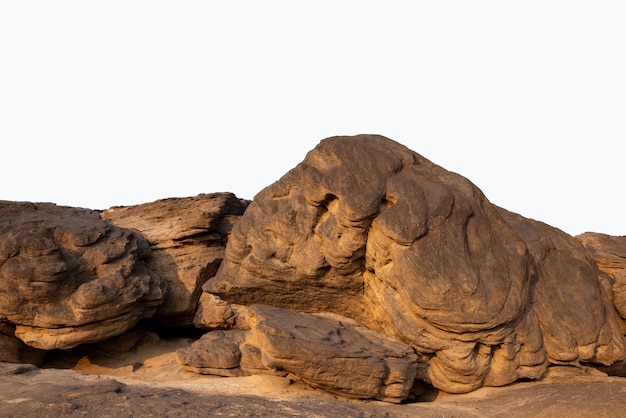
point(108, 103)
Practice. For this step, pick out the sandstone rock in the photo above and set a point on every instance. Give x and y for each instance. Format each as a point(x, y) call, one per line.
point(366, 228)
point(67, 277)
point(216, 353)
point(609, 253)
point(28, 392)
point(574, 311)
point(187, 237)
point(333, 353)
point(330, 352)
point(214, 313)
point(400, 271)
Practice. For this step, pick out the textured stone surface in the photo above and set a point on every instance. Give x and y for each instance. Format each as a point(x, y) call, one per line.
point(214, 313)
point(28, 392)
point(574, 311)
point(381, 268)
point(67, 277)
point(187, 237)
point(326, 351)
point(366, 228)
point(609, 253)
point(333, 353)
point(216, 353)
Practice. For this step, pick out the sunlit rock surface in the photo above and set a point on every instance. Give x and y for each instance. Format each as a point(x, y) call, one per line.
point(609, 253)
point(329, 352)
point(366, 271)
point(67, 277)
point(187, 237)
point(368, 229)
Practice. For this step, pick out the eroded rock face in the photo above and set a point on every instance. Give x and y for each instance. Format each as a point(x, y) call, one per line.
point(574, 310)
point(364, 268)
point(609, 253)
point(334, 353)
point(366, 228)
point(67, 277)
point(329, 352)
point(187, 237)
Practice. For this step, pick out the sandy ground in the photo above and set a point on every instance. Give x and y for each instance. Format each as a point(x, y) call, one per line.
point(146, 381)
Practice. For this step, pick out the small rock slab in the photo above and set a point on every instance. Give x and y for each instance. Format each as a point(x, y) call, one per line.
point(334, 353)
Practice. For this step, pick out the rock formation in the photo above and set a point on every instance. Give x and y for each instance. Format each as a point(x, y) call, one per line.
point(367, 271)
point(67, 277)
point(187, 237)
point(609, 253)
point(324, 350)
point(366, 228)
point(574, 311)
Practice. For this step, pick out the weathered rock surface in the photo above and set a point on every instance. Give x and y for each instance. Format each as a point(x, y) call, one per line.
point(609, 253)
point(29, 392)
point(67, 277)
point(187, 237)
point(365, 271)
point(216, 353)
point(574, 311)
point(214, 313)
point(366, 228)
point(326, 351)
point(333, 353)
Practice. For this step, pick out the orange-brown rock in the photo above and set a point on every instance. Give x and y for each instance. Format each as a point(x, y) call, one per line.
point(609, 253)
point(368, 229)
point(67, 277)
point(364, 268)
point(326, 351)
point(187, 237)
point(574, 311)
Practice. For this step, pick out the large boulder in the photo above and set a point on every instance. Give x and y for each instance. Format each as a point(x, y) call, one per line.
point(68, 277)
point(326, 351)
point(368, 229)
point(187, 237)
point(333, 353)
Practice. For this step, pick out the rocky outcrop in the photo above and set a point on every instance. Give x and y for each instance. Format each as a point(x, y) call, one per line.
point(329, 352)
point(71, 276)
point(67, 277)
point(609, 254)
point(367, 271)
point(574, 311)
point(368, 229)
point(187, 237)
